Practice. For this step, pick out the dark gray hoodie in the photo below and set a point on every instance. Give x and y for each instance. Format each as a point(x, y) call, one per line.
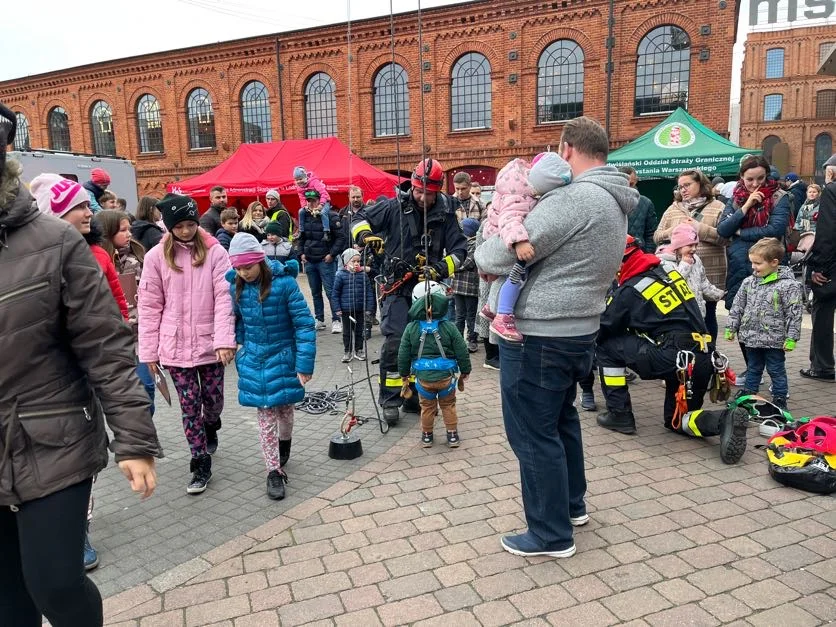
point(578, 233)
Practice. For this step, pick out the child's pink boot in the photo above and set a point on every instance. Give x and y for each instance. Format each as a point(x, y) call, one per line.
point(505, 326)
point(486, 312)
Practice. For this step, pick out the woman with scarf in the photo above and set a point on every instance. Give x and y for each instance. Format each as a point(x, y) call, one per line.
point(699, 209)
point(758, 208)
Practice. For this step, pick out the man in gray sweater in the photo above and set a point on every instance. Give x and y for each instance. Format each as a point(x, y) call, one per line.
point(578, 234)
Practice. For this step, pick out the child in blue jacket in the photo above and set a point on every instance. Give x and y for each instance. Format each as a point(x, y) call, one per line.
point(275, 331)
point(353, 294)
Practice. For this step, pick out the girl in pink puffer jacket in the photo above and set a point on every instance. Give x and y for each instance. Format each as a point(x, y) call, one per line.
point(518, 186)
point(186, 324)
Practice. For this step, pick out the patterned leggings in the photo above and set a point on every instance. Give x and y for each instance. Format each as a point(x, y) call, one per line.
point(274, 424)
point(201, 393)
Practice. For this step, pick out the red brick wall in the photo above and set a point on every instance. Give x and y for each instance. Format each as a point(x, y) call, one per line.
point(798, 127)
point(495, 28)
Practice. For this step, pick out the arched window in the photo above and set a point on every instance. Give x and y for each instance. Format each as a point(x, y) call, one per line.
point(59, 130)
point(255, 114)
point(320, 106)
point(470, 94)
point(768, 145)
point(101, 125)
point(824, 149)
point(560, 82)
point(663, 70)
point(773, 105)
point(826, 104)
point(200, 119)
point(22, 135)
point(149, 124)
point(391, 101)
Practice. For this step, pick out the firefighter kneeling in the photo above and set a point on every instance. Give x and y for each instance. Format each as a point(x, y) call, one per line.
point(653, 326)
point(396, 229)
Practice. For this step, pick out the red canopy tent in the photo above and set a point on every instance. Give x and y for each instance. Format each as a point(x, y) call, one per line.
point(255, 168)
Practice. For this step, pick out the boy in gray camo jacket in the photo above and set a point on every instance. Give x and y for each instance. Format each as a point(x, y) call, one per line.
point(766, 317)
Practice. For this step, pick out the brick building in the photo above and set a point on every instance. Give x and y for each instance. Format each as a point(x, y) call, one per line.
point(786, 107)
point(497, 77)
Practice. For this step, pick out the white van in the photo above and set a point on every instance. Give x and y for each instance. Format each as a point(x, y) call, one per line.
point(77, 166)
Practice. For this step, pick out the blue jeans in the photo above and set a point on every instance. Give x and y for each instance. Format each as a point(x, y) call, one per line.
point(147, 379)
point(538, 380)
point(774, 360)
point(321, 274)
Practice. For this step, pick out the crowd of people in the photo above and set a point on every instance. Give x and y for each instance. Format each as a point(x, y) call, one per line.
point(565, 274)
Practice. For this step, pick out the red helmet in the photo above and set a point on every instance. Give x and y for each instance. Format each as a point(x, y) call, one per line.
point(428, 175)
point(631, 247)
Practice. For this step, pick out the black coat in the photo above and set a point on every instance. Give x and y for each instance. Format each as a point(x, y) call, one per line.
point(312, 241)
point(823, 253)
point(146, 233)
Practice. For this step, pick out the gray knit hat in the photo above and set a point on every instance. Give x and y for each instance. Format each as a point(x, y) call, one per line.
point(348, 255)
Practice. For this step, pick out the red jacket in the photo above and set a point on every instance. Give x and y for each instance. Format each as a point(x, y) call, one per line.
point(109, 270)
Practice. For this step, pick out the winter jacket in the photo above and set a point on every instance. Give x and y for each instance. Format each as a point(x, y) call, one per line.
point(767, 311)
point(807, 216)
point(224, 238)
point(470, 208)
point(277, 338)
point(352, 291)
point(277, 252)
point(513, 200)
point(712, 247)
point(109, 270)
point(823, 252)
point(313, 184)
point(347, 215)
point(578, 233)
point(313, 243)
point(466, 279)
point(797, 196)
point(94, 192)
point(211, 220)
point(451, 341)
point(184, 317)
point(67, 357)
point(642, 222)
point(694, 275)
point(146, 233)
point(256, 229)
point(737, 253)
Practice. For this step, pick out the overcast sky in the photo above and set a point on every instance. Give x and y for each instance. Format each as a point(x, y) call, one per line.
point(45, 35)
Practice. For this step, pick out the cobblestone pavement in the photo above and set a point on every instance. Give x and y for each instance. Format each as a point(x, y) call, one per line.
point(412, 536)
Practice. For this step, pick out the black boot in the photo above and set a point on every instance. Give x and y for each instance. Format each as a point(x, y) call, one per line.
point(729, 424)
point(212, 436)
point(201, 468)
point(620, 421)
point(391, 415)
point(284, 452)
point(275, 484)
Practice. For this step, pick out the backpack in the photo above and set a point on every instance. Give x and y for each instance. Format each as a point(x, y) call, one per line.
point(804, 457)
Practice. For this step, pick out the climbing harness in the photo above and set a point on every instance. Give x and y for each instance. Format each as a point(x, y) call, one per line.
point(435, 364)
point(721, 382)
point(684, 373)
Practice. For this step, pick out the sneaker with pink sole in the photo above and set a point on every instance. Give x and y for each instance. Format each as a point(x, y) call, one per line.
point(505, 326)
point(486, 313)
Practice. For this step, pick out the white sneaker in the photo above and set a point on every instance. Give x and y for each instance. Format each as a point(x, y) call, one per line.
point(579, 521)
point(336, 327)
point(769, 427)
point(320, 325)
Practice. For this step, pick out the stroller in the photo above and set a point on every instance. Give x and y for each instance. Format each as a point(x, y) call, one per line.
point(798, 262)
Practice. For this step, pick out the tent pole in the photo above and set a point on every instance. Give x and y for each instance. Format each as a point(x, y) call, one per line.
point(281, 91)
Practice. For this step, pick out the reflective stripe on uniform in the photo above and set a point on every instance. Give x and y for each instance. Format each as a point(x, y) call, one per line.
point(451, 262)
point(394, 381)
point(644, 284)
point(690, 427)
point(360, 227)
point(614, 377)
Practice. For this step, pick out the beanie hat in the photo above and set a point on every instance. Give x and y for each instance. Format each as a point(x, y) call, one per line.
point(549, 172)
point(177, 209)
point(100, 177)
point(683, 235)
point(273, 228)
point(299, 172)
point(470, 226)
point(272, 193)
point(792, 177)
point(348, 255)
point(56, 195)
point(244, 250)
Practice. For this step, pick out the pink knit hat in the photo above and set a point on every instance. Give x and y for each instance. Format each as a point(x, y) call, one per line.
point(683, 235)
point(56, 195)
point(100, 177)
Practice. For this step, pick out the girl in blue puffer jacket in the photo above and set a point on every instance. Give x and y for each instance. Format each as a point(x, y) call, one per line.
point(275, 332)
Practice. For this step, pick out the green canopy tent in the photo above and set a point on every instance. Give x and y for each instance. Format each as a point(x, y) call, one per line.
point(678, 143)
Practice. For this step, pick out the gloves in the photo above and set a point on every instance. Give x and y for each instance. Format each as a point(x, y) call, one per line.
point(789, 345)
point(729, 335)
point(406, 391)
point(436, 271)
point(420, 260)
point(374, 243)
point(430, 274)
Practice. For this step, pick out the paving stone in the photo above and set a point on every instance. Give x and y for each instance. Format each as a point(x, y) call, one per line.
point(214, 611)
point(765, 594)
point(756, 568)
point(496, 613)
point(627, 552)
point(785, 615)
point(409, 564)
point(670, 566)
point(409, 610)
point(166, 619)
point(629, 576)
point(541, 600)
point(636, 603)
point(707, 556)
point(690, 614)
point(546, 573)
point(262, 619)
point(790, 558)
point(270, 598)
point(368, 574)
point(317, 586)
point(743, 546)
point(503, 585)
point(586, 614)
point(668, 542)
point(679, 591)
point(362, 618)
point(409, 586)
point(821, 605)
point(192, 595)
point(587, 588)
point(592, 562)
point(310, 610)
point(826, 570)
point(361, 598)
point(718, 579)
point(804, 582)
point(725, 607)
point(455, 574)
point(457, 597)
point(459, 619)
point(292, 572)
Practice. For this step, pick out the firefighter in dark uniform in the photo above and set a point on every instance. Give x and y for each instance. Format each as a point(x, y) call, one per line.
point(653, 326)
point(395, 229)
